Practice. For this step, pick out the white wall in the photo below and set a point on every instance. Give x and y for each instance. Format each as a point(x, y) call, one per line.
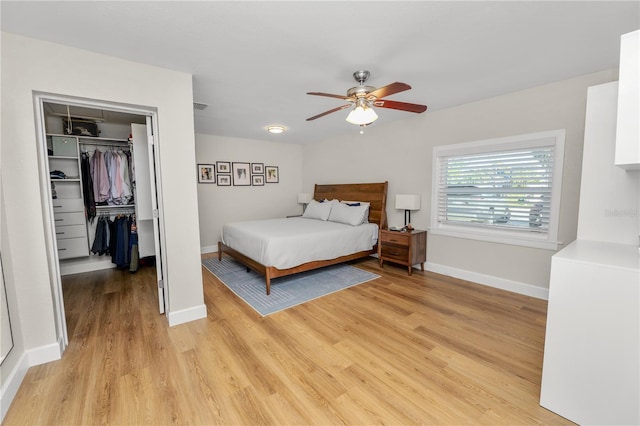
point(220, 204)
point(609, 195)
point(30, 65)
point(401, 153)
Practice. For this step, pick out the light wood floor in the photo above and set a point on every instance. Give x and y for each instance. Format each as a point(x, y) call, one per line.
point(398, 350)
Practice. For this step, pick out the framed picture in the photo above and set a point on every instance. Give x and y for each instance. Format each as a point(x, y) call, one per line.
point(257, 168)
point(241, 174)
point(257, 180)
point(206, 173)
point(224, 180)
point(223, 166)
point(271, 174)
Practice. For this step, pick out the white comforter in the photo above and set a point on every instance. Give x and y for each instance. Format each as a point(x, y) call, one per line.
point(285, 243)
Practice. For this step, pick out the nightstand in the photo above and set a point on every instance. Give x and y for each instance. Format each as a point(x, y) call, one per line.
point(405, 248)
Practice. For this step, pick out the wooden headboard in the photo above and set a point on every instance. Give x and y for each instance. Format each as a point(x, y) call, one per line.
point(374, 193)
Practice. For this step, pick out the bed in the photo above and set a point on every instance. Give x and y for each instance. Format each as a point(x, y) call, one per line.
point(280, 247)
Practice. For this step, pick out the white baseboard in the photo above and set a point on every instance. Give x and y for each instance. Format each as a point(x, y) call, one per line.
point(44, 354)
point(187, 315)
point(209, 249)
point(78, 267)
point(12, 384)
point(30, 358)
point(491, 281)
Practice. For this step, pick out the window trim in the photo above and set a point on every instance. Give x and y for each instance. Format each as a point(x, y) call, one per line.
point(548, 240)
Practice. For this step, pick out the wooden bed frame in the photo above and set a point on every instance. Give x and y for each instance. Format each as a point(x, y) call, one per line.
point(373, 193)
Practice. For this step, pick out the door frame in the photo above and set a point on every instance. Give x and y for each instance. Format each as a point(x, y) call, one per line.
point(55, 281)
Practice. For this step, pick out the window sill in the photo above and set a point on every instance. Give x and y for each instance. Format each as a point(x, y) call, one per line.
point(500, 237)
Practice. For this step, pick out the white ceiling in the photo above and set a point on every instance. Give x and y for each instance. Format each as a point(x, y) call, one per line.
point(253, 62)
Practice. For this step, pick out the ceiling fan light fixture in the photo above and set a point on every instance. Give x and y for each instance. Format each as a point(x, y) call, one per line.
point(275, 129)
point(362, 115)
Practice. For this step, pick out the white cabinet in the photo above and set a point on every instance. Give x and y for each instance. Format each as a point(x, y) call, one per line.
point(609, 195)
point(591, 368)
point(68, 204)
point(628, 128)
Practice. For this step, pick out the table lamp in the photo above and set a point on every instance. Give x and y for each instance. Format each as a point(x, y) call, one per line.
point(407, 202)
point(304, 198)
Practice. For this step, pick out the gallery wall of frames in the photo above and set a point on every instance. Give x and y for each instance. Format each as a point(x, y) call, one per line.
point(237, 173)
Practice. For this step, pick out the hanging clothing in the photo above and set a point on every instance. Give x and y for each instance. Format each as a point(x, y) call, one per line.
point(101, 240)
point(87, 182)
point(113, 232)
point(133, 247)
point(100, 177)
point(112, 176)
point(123, 231)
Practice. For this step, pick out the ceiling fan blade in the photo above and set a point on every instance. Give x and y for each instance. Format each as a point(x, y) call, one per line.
point(402, 106)
point(329, 95)
point(328, 112)
point(388, 90)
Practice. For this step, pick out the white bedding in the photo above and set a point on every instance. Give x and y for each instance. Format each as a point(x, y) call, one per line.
point(288, 242)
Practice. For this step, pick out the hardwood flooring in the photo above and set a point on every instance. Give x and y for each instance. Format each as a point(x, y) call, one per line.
point(425, 349)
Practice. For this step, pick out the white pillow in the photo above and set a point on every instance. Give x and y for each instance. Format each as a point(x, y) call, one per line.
point(350, 215)
point(362, 203)
point(317, 210)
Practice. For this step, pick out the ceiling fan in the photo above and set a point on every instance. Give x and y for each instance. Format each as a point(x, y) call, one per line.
point(364, 98)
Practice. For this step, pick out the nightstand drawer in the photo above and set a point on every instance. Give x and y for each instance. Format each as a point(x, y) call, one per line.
point(395, 251)
point(401, 238)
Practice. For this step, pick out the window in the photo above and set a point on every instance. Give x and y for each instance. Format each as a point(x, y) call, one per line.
point(503, 190)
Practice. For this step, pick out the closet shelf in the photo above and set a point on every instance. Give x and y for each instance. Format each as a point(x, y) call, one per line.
point(62, 157)
point(91, 138)
point(66, 180)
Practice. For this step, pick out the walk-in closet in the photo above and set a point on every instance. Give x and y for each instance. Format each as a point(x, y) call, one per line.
point(100, 164)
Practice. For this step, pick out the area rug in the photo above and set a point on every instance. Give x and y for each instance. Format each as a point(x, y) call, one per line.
point(285, 291)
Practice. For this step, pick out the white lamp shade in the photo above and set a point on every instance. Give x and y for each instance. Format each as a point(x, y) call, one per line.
point(408, 202)
point(304, 198)
point(362, 116)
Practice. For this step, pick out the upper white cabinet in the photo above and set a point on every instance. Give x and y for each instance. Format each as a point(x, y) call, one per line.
point(628, 130)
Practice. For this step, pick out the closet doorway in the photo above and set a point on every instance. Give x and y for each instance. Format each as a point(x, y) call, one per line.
point(100, 187)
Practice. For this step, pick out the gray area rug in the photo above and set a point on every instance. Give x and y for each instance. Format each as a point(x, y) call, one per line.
point(285, 291)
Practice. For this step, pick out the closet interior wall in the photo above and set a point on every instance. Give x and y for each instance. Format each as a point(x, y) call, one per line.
point(112, 136)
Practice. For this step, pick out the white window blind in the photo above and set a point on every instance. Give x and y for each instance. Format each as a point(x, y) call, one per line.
point(508, 186)
point(510, 189)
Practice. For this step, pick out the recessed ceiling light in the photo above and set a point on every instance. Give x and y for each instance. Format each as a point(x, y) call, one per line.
point(275, 129)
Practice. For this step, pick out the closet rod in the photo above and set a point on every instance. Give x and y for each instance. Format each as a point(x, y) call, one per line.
point(116, 207)
point(115, 211)
point(118, 144)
